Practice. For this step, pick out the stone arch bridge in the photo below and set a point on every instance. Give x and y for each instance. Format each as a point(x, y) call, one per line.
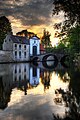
point(49, 57)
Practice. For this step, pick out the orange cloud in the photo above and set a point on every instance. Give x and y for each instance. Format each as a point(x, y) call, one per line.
point(38, 29)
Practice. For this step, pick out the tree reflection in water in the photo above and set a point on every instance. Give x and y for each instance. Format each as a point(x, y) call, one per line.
point(71, 97)
point(4, 95)
point(46, 80)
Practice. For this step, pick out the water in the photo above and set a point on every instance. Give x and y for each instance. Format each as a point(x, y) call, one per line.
point(36, 92)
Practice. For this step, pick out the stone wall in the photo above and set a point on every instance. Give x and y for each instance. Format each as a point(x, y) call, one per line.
point(5, 56)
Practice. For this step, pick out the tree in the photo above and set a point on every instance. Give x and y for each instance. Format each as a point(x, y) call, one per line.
point(69, 30)
point(46, 39)
point(71, 9)
point(5, 28)
point(73, 39)
point(26, 34)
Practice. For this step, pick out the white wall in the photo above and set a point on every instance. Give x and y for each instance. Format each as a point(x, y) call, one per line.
point(34, 42)
point(22, 50)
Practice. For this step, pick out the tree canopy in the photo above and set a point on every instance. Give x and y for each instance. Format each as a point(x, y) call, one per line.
point(69, 29)
point(5, 28)
point(46, 38)
point(71, 9)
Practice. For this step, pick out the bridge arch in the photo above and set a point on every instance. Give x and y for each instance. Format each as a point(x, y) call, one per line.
point(45, 60)
point(35, 60)
point(48, 55)
point(63, 59)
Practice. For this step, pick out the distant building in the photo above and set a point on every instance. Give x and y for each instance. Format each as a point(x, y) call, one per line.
point(42, 50)
point(21, 48)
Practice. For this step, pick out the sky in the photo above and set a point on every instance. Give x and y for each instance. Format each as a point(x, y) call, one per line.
point(33, 15)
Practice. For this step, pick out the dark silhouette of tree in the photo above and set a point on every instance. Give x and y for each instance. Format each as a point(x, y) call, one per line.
point(5, 28)
point(4, 95)
point(71, 9)
point(71, 97)
point(46, 39)
point(22, 33)
point(68, 30)
point(26, 34)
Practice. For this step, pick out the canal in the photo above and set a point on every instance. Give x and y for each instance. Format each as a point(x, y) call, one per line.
point(34, 92)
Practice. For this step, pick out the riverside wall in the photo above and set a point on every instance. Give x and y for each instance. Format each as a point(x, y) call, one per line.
point(5, 56)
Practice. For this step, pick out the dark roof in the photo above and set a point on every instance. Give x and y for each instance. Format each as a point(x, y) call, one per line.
point(35, 38)
point(19, 39)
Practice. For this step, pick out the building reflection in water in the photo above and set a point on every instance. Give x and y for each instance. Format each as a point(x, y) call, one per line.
point(20, 76)
point(23, 77)
point(34, 76)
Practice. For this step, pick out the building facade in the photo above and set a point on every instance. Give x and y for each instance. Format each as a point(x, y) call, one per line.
point(34, 46)
point(21, 48)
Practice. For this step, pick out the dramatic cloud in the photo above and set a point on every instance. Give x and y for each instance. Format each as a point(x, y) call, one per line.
point(34, 15)
point(29, 12)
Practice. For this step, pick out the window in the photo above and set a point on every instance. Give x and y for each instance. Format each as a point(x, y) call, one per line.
point(19, 70)
point(19, 54)
point(20, 47)
point(15, 53)
point(19, 77)
point(25, 69)
point(15, 78)
point(24, 77)
point(24, 47)
point(24, 54)
point(15, 46)
point(34, 41)
point(15, 70)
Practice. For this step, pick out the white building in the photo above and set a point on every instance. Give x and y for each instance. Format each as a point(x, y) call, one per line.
point(21, 48)
point(34, 46)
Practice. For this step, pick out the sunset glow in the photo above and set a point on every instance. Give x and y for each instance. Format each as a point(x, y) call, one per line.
point(35, 16)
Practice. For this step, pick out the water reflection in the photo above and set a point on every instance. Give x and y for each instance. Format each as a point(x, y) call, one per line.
point(23, 77)
point(71, 97)
point(60, 85)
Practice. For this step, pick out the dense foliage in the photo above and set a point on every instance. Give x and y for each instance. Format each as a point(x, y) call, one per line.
point(46, 39)
point(71, 9)
point(5, 28)
point(68, 31)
